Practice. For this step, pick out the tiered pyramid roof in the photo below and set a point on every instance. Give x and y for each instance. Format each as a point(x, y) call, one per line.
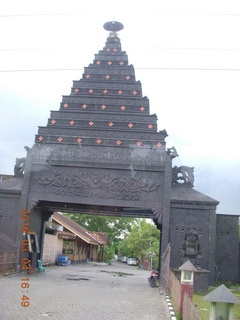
point(106, 106)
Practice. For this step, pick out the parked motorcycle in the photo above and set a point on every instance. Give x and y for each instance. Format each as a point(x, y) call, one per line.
point(153, 278)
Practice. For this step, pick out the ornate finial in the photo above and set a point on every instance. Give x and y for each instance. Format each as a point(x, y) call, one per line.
point(184, 174)
point(113, 27)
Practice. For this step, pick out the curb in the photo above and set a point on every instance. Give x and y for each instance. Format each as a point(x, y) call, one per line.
point(170, 308)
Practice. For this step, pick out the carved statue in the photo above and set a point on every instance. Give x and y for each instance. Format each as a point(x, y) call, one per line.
point(172, 152)
point(184, 174)
point(190, 249)
point(27, 148)
point(19, 167)
point(20, 164)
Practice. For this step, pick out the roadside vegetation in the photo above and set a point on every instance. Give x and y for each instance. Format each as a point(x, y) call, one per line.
point(135, 238)
point(141, 243)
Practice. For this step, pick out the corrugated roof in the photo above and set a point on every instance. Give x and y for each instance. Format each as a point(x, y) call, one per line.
point(75, 228)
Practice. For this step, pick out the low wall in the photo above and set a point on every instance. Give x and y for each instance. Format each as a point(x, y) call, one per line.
point(182, 304)
point(51, 249)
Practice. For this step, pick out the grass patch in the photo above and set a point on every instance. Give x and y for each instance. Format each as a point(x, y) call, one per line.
point(202, 306)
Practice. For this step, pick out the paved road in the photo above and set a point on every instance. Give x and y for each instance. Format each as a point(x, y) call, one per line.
point(85, 292)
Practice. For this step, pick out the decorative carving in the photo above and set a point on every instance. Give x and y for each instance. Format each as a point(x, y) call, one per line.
point(158, 213)
point(172, 152)
point(19, 167)
point(98, 185)
point(100, 86)
point(63, 152)
point(107, 101)
point(41, 151)
point(27, 149)
point(104, 57)
point(8, 241)
point(112, 72)
point(20, 164)
point(101, 134)
point(103, 117)
point(8, 252)
point(184, 174)
point(153, 157)
point(190, 249)
point(32, 204)
point(125, 156)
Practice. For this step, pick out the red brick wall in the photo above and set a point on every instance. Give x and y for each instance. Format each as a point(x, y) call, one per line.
point(51, 249)
point(188, 289)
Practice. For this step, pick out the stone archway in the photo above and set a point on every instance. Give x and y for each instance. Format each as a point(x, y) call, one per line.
point(102, 153)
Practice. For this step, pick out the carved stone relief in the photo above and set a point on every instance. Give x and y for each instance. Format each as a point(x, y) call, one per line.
point(103, 57)
point(183, 175)
point(103, 117)
point(20, 164)
point(190, 248)
point(153, 157)
point(124, 72)
point(109, 86)
point(102, 134)
point(19, 167)
point(98, 185)
point(172, 152)
point(108, 101)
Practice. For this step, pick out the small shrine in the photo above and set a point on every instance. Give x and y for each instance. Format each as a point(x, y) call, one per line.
point(222, 301)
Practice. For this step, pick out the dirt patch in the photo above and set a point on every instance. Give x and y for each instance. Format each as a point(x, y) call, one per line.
point(77, 278)
point(118, 274)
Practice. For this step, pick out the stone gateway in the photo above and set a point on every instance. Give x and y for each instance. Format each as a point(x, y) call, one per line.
point(101, 153)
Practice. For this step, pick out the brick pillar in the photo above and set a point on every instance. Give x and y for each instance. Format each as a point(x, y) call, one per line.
point(188, 289)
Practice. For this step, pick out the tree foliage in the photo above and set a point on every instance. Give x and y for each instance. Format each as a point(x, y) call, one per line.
point(142, 242)
point(116, 227)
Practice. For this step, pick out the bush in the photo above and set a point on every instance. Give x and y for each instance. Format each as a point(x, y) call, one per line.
point(108, 254)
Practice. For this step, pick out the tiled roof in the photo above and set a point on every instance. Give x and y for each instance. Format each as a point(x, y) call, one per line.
point(75, 228)
point(66, 235)
point(101, 237)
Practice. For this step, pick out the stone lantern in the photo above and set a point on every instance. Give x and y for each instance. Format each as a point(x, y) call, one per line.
point(187, 276)
point(222, 301)
point(187, 272)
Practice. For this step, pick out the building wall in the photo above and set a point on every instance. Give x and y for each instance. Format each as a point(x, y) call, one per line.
point(36, 226)
point(10, 215)
point(51, 249)
point(202, 219)
point(10, 230)
point(84, 253)
point(227, 248)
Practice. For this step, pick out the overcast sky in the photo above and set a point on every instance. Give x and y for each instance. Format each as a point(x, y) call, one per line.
point(185, 53)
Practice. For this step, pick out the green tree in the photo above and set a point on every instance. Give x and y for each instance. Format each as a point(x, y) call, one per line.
point(116, 227)
point(142, 242)
point(108, 254)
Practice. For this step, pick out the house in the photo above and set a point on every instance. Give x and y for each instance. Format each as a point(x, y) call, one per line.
point(64, 236)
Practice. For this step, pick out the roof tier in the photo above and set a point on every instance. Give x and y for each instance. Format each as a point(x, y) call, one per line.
point(105, 107)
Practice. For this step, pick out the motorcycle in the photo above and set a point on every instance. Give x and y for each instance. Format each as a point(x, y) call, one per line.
point(153, 278)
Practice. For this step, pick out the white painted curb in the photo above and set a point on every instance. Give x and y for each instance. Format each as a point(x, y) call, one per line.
point(170, 307)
